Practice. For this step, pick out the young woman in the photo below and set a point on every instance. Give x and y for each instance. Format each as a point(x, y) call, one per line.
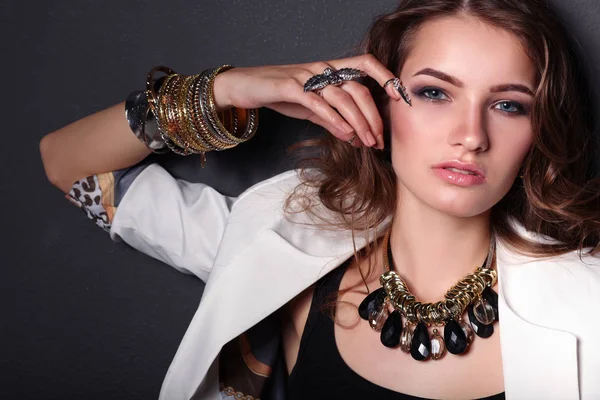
point(458, 193)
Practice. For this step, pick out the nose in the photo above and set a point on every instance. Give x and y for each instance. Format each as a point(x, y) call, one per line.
point(470, 130)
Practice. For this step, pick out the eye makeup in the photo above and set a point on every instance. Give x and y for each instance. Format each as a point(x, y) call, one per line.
point(514, 107)
point(435, 94)
point(431, 93)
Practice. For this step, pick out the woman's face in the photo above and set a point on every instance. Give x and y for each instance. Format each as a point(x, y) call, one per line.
point(459, 148)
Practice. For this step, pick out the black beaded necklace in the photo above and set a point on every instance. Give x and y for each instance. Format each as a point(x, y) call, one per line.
point(474, 293)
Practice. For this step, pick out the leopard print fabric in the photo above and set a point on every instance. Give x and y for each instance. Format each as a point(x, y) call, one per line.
point(94, 196)
point(99, 196)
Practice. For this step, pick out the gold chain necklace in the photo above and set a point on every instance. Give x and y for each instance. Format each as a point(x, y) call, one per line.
point(472, 293)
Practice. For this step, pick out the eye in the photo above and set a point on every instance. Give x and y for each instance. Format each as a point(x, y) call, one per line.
point(432, 94)
point(510, 107)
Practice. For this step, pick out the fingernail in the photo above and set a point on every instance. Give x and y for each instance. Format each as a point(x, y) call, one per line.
point(379, 142)
point(370, 139)
point(391, 92)
point(389, 88)
point(347, 128)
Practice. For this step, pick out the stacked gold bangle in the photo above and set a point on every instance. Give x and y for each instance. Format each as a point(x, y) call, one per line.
point(186, 114)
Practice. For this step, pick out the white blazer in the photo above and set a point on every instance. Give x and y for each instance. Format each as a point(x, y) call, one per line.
point(245, 247)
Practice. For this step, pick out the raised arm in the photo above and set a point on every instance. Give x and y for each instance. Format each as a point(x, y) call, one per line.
point(103, 141)
point(98, 143)
point(99, 162)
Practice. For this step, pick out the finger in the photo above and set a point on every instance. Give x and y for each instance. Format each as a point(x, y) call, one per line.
point(321, 108)
point(364, 101)
point(352, 140)
point(344, 103)
point(372, 67)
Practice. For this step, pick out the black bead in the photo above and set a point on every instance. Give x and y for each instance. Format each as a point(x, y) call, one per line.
point(392, 329)
point(481, 330)
point(372, 302)
point(455, 338)
point(492, 298)
point(420, 347)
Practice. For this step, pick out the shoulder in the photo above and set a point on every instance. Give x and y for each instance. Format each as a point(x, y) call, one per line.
point(563, 291)
point(572, 294)
point(565, 278)
point(559, 292)
point(264, 202)
point(269, 198)
point(575, 271)
point(274, 189)
point(262, 207)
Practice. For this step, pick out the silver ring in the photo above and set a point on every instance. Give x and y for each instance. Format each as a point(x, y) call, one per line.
point(391, 80)
point(332, 77)
point(399, 86)
point(351, 139)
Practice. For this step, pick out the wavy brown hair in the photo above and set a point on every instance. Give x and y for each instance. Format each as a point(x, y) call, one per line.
point(557, 195)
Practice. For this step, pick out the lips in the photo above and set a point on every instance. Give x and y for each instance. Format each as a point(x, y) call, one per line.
point(460, 173)
point(461, 167)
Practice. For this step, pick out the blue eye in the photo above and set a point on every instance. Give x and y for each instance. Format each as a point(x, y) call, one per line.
point(432, 94)
point(510, 107)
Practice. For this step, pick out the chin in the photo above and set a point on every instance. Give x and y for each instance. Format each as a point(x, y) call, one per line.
point(461, 202)
point(457, 202)
point(461, 210)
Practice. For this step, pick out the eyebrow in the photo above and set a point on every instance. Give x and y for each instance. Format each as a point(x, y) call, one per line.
point(506, 87)
point(511, 87)
point(440, 75)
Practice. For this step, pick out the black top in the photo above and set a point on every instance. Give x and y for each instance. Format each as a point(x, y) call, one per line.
point(320, 372)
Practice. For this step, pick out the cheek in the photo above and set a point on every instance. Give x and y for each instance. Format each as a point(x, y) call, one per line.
point(418, 138)
point(511, 139)
point(414, 127)
point(408, 135)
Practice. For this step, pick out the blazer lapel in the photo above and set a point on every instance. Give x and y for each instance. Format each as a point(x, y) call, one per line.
point(259, 280)
point(539, 362)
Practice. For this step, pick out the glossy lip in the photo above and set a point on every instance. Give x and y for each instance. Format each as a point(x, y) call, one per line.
point(474, 168)
point(457, 178)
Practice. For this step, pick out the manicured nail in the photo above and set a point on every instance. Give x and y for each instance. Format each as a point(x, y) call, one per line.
point(371, 139)
point(380, 142)
point(347, 128)
point(390, 90)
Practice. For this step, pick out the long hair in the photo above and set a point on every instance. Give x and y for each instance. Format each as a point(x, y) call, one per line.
point(557, 195)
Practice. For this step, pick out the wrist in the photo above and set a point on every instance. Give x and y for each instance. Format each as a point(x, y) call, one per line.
point(222, 100)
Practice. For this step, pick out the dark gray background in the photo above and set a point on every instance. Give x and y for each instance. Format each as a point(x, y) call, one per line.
point(83, 317)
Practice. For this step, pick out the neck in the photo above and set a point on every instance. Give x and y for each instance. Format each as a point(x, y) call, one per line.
point(433, 250)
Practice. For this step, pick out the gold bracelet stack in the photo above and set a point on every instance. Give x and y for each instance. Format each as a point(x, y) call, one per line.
point(186, 114)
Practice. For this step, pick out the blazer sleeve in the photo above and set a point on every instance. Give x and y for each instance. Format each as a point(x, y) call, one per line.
point(175, 221)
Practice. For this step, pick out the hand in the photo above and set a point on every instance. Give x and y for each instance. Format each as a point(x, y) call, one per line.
point(281, 88)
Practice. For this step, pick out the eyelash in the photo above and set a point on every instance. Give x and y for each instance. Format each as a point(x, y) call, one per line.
point(520, 109)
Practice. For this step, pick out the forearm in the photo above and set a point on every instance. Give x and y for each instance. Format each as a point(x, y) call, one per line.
point(100, 142)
